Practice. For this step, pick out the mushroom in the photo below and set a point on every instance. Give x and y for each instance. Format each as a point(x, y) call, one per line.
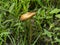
point(27, 15)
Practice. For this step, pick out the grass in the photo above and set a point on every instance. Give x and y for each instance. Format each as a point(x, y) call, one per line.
point(41, 29)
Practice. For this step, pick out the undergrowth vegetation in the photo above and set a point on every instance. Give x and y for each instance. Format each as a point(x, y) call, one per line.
point(41, 29)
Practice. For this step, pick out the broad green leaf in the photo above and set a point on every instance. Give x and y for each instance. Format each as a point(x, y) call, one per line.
point(57, 28)
point(11, 7)
point(58, 15)
point(49, 17)
point(42, 12)
point(40, 2)
point(57, 40)
point(49, 34)
point(55, 11)
point(4, 33)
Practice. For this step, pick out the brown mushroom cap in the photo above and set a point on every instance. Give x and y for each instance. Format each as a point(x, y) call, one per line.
point(27, 15)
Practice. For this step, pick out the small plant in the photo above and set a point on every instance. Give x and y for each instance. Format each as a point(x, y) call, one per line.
point(29, 22)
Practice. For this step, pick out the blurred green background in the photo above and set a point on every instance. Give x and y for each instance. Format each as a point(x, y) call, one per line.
point(42, 29)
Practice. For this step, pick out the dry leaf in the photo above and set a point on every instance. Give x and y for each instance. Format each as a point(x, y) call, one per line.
point(27, 15)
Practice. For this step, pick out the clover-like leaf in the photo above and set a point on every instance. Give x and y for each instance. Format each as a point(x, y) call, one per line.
point(55, 11)
point(58, 15)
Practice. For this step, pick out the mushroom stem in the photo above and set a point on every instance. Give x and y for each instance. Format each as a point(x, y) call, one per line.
point(30, 34)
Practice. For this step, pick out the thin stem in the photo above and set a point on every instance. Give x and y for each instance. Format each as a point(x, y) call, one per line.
point(30, 33)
